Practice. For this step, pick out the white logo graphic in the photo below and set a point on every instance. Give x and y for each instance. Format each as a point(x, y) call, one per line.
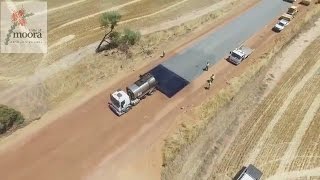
point(23, 27)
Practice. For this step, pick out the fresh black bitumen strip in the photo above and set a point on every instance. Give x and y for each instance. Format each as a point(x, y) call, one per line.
point(189, 64)
point(169, 83)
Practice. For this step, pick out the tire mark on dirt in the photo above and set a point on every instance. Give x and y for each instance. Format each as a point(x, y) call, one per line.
point(308, 154)
point(65, 6)
point(281, 137)
point(149, 15)
point(195, 168)
point(279, 114)
point(95, 14)
point(155, 13)
point(186, 17)
point(297, 174)
point(296, 141)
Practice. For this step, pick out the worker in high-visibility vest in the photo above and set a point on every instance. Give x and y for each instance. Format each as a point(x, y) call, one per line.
point(210, 81)
point(212, 77)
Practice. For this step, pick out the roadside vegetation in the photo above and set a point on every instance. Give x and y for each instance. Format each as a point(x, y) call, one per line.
point(8, 118)
point(191, 129)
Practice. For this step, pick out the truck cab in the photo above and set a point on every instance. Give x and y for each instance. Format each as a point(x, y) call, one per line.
point(239, 54)
point(236, 56)
point(120, 102)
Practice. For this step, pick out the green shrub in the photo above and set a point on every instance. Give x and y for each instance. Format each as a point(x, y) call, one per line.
point(130, 36)
point(9, 117)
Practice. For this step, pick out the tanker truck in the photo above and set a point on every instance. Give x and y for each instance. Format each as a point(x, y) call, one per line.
point(122, 101)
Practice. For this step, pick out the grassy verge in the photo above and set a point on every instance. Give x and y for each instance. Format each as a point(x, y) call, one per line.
point(191, 129)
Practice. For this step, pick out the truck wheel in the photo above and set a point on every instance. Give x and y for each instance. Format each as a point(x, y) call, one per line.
point(151, 92)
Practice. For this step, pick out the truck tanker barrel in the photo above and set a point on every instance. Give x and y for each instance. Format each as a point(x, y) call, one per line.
point(146, 84)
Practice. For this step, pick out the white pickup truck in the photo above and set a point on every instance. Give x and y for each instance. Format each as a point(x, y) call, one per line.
point(239, 54)
point(280, 25)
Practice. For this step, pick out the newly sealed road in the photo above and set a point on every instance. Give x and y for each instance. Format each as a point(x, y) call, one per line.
point(189, 64)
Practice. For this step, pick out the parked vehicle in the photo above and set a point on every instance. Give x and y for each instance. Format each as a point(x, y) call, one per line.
point(291, 1)
point(122, 102)
point(280, 25)
point(293, 10)
point(249, 173)
point(290, 14)
point(239, 54)
point(306, 2)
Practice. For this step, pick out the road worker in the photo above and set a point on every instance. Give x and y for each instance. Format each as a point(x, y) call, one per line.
point(206, 67)
point(163, 54)
point(210, 81)
point(209, 84)
point(212, 77)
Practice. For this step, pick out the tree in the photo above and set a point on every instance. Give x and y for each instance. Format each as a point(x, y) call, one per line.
point(108, 19)
point(9, 117)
